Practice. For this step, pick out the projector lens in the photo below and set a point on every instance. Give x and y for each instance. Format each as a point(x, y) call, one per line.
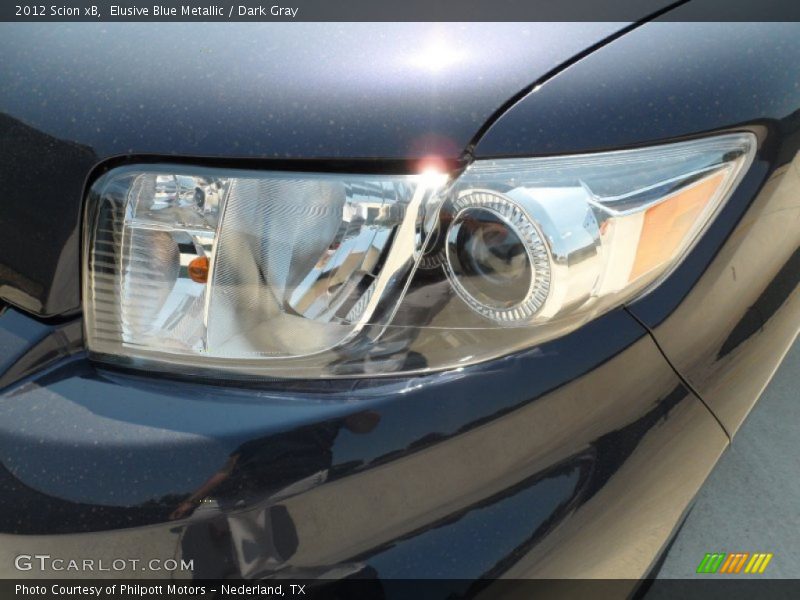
point(489, 259)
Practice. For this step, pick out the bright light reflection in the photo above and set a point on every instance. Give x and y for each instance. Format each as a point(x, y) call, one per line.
point(436, 57)
point(432, 178)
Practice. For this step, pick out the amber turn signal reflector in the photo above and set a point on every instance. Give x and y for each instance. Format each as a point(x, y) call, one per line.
point(667, 224)
point(198, 269)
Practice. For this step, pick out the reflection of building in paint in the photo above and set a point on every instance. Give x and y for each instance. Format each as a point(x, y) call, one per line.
point(37, 274)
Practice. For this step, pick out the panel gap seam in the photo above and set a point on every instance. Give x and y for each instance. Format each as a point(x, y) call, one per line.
point(680, 376)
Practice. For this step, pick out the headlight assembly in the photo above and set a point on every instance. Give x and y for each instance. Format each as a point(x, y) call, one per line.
point(223, 271)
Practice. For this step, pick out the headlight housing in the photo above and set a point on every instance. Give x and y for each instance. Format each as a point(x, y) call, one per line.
point(210, 271)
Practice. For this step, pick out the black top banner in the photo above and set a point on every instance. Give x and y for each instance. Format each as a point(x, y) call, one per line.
point(400, 10)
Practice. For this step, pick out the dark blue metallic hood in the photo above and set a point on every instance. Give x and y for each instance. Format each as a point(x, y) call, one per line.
point(271, 90)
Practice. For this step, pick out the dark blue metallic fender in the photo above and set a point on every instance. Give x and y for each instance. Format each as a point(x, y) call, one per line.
point(519, 466)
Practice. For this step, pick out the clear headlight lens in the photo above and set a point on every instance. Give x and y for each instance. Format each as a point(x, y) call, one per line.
point(325, 275)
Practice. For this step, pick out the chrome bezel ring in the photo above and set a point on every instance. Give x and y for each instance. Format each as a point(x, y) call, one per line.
point(515, 217)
